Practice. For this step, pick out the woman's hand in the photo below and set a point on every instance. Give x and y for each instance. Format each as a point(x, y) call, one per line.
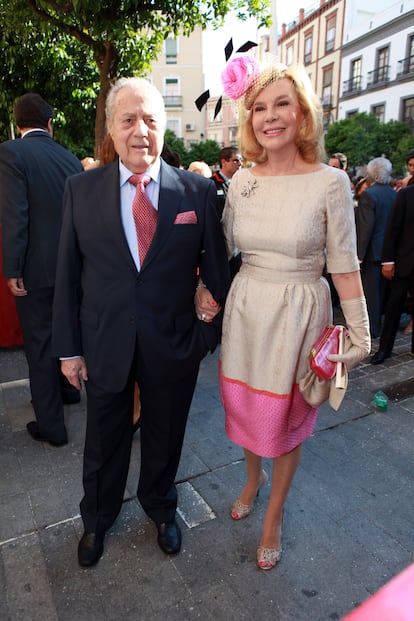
point(205, 305)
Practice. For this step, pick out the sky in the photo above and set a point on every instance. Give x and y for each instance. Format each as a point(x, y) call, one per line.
point(288, 10)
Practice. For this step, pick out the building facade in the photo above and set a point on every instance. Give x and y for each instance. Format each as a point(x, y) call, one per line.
point(377, 66)
point(359, 57)
point(178, 75)
point(315, 40)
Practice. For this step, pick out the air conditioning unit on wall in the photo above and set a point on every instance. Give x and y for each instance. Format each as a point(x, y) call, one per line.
point(190, 127)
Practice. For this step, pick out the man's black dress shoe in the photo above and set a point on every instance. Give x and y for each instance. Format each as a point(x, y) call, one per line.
point(169, 537)
point(90, 549)
point(33, 430)
point(379, 357)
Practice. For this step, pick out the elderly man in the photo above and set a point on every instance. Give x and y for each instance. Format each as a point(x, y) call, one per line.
point(371, 217)
point(136, 235)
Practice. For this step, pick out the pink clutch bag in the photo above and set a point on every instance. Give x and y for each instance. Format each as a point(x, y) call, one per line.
point(327, 343)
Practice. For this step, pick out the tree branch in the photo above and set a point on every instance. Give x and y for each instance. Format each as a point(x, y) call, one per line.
point(81, 36)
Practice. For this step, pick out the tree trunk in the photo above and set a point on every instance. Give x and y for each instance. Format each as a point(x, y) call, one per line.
point(107, 62)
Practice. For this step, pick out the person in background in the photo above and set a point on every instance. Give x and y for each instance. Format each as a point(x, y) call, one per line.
point(397, 267)
point(171, 157)
point(371, 217)
point(338, 160)
point(124, 311)
point(200, 168)
point(230, 161)
point(410, 169)
point(286, 215)
point(361, 185)
point(33, 171)
point(89, 162)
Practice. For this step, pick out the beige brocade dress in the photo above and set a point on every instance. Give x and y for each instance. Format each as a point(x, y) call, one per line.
point(286, 228)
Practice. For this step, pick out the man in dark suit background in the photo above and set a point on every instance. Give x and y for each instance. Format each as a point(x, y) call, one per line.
point(129, 320)
point(230, 161)
point(397, 267)
point(371, 217)
point(33, 171)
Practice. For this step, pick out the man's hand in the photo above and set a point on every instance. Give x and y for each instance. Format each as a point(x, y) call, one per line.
point(74, 369)
point(388, 271)
point(16, 286)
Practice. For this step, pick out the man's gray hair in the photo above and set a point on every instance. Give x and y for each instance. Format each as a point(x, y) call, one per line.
point(379, 170)
point(138, 84)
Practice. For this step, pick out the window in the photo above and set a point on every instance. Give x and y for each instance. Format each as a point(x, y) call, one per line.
point(330, 33)
point(174, 125)
point(351, 113)
point(327, 88)
point(171, 51)
point(408, 112)
point(265, 39)
point(410, 55)
point(171, 86)
point(356, 74)
point(379, 111)
point(382, 65)
point(172, 92)
point(289, 55)
point(406, 65)
point(308, 48)
point(219, 117)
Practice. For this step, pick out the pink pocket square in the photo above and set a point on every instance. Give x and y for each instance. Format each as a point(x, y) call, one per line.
point(186, 217)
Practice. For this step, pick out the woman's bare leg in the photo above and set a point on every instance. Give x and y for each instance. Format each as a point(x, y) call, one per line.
point(283, 471)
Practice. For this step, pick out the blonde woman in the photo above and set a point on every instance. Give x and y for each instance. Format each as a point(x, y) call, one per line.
point(287, 215)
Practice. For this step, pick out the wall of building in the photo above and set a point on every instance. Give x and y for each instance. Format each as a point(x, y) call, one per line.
point(187, 68)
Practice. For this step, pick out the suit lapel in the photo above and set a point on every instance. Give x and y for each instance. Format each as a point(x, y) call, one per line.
point(111, 210)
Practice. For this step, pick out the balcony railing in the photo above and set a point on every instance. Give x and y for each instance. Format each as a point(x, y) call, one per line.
point(378, 77)
point(173, 101)
point(406, 67)
point(352, 86)
point(327, 102)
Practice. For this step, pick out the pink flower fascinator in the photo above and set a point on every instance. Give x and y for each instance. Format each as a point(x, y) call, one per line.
point(236, 77)
point(239, 74)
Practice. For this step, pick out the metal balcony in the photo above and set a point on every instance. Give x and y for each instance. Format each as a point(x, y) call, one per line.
point(406, 67)
point(327, 102)
point(378, 77)
point(173, 101)
point(352, 86)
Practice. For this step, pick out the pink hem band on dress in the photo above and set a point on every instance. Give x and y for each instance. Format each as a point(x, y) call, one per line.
point(265, 423)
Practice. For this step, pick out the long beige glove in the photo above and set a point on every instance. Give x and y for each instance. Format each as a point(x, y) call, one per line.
point(356, 319)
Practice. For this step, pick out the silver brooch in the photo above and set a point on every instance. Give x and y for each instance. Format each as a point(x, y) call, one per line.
point(249, 188)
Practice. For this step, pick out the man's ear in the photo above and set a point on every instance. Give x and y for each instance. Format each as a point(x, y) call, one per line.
point(50, 127)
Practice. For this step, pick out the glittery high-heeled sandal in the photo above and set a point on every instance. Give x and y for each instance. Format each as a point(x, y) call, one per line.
point(267, 558)
point(238, 509)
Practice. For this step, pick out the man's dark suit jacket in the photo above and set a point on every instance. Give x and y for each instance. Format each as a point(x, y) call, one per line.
point(371, 215)
point(399, 239)
point(119, 306)
point(33, 173)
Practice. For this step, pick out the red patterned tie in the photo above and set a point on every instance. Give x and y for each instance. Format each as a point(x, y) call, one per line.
point(145, 215)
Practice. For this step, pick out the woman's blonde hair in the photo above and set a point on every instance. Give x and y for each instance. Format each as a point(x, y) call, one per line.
point(309, 140)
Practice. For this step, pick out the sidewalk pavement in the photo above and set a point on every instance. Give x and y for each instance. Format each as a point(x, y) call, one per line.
point(348, 525)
